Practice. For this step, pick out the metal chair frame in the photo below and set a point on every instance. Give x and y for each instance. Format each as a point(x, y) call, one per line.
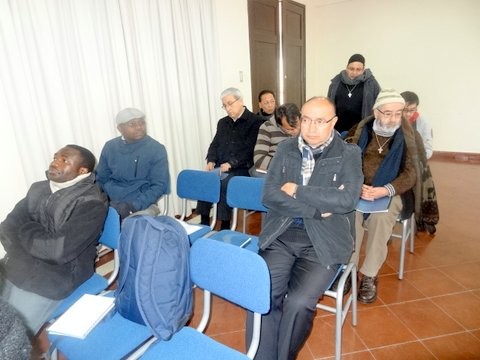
point(342, 307)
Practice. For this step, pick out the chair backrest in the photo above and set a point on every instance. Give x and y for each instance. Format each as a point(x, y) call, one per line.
point(244, 192)
point(111, 229)
point(238, 275)
point(198, 185)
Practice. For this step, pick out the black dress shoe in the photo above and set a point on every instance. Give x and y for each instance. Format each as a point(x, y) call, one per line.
point(367, 293)
point(346, 288)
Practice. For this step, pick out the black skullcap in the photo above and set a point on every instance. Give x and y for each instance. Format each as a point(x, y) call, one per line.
point(356, 58)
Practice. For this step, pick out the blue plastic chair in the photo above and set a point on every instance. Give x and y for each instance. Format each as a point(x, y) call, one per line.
point(199, 185)
point(97, 283)
point(243, 192)
point(113, 338)
point(235, 274)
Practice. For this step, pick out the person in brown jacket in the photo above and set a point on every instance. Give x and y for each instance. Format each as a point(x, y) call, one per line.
point(389, 165)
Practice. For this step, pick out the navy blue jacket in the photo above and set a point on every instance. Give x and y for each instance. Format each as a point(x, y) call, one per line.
point(135, 173)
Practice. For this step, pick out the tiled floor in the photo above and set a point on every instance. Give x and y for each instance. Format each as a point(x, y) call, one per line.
point(433, 313)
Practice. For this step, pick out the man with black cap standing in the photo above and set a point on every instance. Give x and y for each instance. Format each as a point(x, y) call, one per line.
point(133, 168)
point(353, 91)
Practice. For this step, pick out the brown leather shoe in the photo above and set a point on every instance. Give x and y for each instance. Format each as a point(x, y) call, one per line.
point(367, 293)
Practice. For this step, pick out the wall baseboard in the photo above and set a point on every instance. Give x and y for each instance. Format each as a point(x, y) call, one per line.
point(470, 158)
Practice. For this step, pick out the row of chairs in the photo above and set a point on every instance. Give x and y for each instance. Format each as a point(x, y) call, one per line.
point(245, 193)
point(242, 193)
point(214, 267)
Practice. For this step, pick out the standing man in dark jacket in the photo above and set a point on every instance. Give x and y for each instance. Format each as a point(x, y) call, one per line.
point(231, 150)
point(353, 91)
point(311, 189)
point(50, 236)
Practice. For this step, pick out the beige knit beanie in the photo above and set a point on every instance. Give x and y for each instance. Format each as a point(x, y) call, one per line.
point(388, 96)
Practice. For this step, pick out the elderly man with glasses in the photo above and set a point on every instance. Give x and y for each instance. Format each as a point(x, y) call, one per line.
point(311, 189)
point(390, 156)
point(231, 150)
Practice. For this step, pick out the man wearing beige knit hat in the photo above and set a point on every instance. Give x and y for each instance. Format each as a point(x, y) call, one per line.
point(389, 155)
point(133, 167)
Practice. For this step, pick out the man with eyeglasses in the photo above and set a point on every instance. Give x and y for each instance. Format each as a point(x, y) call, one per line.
point(133, 168)
point(311, 189)
point(353, 91)
point(417, 121)
point(390, 161)
point(231, 151)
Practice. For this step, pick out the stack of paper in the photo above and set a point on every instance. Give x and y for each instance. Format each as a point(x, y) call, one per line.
point(189, 228)
point(82, 316)
point(374, 206)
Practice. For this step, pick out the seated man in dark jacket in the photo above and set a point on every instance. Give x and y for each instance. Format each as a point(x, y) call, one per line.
point(231, 150)
point(311, 190)
point(50, 236)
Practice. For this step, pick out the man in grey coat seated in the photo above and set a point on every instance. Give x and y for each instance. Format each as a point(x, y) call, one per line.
point(50, 237)
point(311, 189)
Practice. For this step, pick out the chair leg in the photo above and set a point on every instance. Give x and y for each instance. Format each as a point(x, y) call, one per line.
point(338, 324)
point(412, 233)
point(354, 295)
point(405, 227)
point(342, 310)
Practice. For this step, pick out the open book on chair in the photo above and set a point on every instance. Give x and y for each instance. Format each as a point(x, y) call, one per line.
point(375, 206)
point(82, 316)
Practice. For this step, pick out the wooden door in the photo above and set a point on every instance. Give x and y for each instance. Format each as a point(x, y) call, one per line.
point(294, 52)
point(265, 51)
point(264, 47)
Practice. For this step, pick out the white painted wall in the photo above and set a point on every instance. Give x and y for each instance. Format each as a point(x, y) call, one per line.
point(233, 37)
point(429, 46)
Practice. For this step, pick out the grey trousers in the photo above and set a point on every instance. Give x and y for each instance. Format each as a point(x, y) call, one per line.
point(34, 309)
point(379, 226)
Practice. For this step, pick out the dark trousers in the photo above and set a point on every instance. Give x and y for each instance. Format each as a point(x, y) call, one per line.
point(224, 212)
point(298, 281)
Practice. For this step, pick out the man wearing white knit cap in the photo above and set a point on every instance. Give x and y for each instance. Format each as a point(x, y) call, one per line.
point(389, 156)
point(133, 168)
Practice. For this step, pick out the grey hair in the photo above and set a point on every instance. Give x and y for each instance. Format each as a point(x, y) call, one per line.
point(231, 91)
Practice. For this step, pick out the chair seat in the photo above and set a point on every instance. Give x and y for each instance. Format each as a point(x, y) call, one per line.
point(189, 341)
point(123, 336)
point(199, 233)
point(236, 238)
point(94, 285)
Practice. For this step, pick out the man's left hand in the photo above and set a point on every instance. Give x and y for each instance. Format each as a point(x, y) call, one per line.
point(289, 188)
